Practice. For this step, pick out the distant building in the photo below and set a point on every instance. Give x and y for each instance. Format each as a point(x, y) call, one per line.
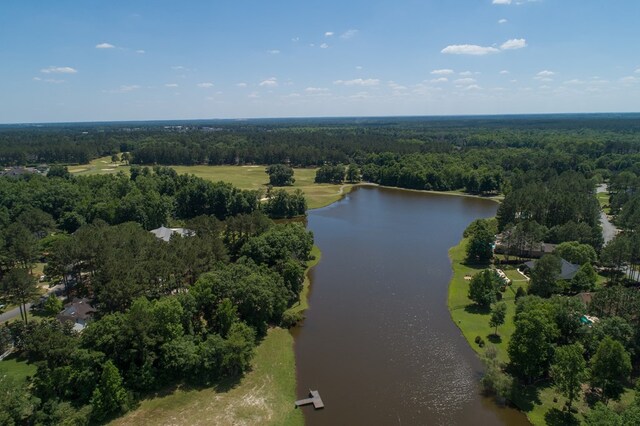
point(18, 171)
point(567, 270)
point(79, 312)
point(164, 233)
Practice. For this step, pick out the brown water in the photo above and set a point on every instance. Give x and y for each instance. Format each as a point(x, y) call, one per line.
point(378, 341)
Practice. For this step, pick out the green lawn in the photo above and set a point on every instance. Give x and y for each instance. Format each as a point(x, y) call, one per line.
point(603, 199)
point(16, 368)
point(471, 320)
point(243, 177)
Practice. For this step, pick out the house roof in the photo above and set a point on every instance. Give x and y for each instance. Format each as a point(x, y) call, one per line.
point(567, 270)
point(585, 297)
point(17, 171)
point(79, 309)
point(164, 233)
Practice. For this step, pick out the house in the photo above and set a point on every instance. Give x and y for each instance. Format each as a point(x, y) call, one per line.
point(567, 270)
point(164, 233)
point(79, 312)
point(536, 250)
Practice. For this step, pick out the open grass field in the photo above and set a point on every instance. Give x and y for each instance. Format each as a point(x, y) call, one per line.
point(534, 401)
point(264, 396)
point(243, 177)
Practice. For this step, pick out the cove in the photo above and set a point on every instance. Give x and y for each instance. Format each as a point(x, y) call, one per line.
point(378, 341)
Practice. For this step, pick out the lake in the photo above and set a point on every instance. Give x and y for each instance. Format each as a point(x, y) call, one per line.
point(378, 341)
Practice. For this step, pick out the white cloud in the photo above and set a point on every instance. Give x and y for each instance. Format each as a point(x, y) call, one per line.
point(171, 85)
point(395, 86)
point(637, 71)
point(442, 72)
point(358, 67)
point(502, 21)
point(206, 85)
point(316, 90)
point(179, 68)
point(349, 34)
point(546, 73)
point(574, 81)
point(241, 84)
point(629, 80)
point(140, 52)
point(329, 34)
point(58, 70)
point(504, 72)
point(358, 82)
point(48, 80)
point(473, 87)
point(273, 51)
point(514, 43)
point(439, 80)
point(270, 82)
point(253, 95)
point(324, 46)
point(360, 95)
point(501, 2)
point(465, 73)
point(105, 46)
point(464, 81)
point(125, 88)
point(469, 49)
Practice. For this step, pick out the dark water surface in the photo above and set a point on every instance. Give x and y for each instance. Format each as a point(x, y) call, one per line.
point(378, 341)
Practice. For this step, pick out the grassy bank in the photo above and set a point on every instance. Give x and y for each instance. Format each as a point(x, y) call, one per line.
point(243, 177)
point(263, 396)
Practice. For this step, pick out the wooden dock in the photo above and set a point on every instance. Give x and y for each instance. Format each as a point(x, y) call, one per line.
point(314, 398)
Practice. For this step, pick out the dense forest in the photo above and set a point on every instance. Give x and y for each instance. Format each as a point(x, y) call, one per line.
point(192, 309)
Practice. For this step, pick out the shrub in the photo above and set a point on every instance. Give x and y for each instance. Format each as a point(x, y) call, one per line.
point(291, 319)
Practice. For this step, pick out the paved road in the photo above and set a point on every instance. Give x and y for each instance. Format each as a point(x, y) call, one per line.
point(15, 312)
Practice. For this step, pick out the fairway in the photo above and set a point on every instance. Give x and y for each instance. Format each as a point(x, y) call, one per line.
point(243, 177)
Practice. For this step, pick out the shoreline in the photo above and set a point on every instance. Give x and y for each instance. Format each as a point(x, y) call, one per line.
point(348, 187)
point(471, 325)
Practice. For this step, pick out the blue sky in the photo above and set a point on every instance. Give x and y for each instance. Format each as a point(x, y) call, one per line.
point(89, 60)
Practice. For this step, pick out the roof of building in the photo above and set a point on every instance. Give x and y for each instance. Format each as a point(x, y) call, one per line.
point(585, 297)
point(165, 233)
point(567, 270)
point(17, 171)
point(79, 309)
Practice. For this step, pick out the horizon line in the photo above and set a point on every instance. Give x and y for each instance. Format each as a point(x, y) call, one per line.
point(327, 117)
